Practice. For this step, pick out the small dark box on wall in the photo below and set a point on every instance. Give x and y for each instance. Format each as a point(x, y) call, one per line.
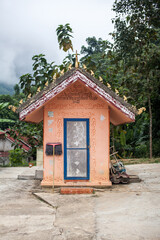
point(57, 149)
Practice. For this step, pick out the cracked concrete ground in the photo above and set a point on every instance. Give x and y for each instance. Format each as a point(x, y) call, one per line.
point(120, 213)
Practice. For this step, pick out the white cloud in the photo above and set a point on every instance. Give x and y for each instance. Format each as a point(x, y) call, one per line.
point(28, 27)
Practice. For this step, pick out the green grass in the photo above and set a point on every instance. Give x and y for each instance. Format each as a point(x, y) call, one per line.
point(25, 164)
point(140, 161)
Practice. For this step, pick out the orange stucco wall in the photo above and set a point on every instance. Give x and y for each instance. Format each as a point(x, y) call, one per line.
point(78, 102)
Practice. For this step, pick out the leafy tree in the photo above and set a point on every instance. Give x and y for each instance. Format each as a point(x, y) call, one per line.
point(95, 46)
point(42, 72)
point(136, 24)
point(97, 57)
point(16, 89)
point(64, 34)
point(26, 83)
point(136, 38)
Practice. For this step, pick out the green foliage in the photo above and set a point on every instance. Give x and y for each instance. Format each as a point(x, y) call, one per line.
point(16, 89)
point(96, 55)
point(3, 105)
point(64, 35)
point(131, 65)
point(32, 132)
point(95, 46)
point(16, 157)
point(42, 72)
point(136, 41)
point(5, 117)
point(135, 23)
point(129, 76)
point(129, 139)
point(141, 151)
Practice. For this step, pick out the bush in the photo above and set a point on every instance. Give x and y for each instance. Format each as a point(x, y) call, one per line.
point(141, 151)
point(156, 148)
point(16, 157)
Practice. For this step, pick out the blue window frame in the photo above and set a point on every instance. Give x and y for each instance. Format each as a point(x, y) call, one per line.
point(67, 149)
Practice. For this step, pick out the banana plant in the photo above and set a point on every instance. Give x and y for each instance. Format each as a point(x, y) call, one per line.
point(2, 120)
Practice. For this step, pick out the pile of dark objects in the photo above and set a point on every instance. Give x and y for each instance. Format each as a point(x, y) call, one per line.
point(117, 170)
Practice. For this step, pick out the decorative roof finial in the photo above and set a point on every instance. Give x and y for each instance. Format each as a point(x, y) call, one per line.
point(100, 79)
point(76, 63)
point(21, 101)
point(84, 66)
point(54, 77)
point(70, 66)
point(39, 89)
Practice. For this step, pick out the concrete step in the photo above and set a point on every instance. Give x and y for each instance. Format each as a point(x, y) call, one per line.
point(38, 175)
point(73, 190)
point(26, 177)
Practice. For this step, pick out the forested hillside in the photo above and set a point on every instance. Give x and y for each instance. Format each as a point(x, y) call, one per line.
point(6, 89)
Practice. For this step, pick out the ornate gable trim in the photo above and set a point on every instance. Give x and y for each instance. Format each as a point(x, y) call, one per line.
point(77, 75)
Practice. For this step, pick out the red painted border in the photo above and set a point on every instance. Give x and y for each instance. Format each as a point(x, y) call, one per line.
point(62, 86)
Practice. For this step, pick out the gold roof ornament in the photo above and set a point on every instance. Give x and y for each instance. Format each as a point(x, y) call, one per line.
point(38, 89)
point(46, 84)
point(84, 67)
point(100, 79)
point(54, 77)
point(92, 73)
point(14, 108)
point(116, 91)
point(140, 110)
point(29, 96)
point(125, 98)
point(21, 101)
point(70, 66)
point(76, 62)
point(62, 72)
point(108, 85)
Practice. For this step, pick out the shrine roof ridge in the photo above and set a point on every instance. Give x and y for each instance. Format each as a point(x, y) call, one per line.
point(66, 75)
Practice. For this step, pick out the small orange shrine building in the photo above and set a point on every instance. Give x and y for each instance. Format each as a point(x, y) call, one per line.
point(76, 110)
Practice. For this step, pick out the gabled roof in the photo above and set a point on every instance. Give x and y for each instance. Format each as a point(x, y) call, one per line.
point(2, 132)
point(61, 83)
point(23, 141)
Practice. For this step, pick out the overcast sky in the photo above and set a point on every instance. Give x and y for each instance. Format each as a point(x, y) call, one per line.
point(28, 27)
